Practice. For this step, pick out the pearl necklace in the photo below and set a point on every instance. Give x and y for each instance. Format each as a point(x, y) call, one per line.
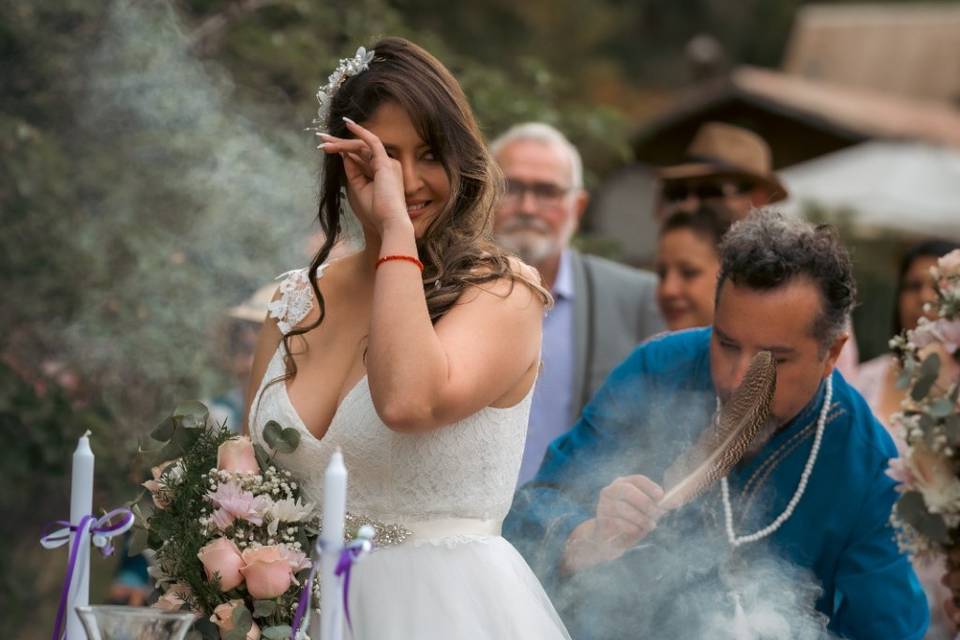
point(804, 478)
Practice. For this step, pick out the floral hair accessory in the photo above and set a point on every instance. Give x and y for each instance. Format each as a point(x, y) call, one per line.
point(348, 67)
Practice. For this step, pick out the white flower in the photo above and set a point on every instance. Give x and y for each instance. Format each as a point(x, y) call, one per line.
point(348, 67)
point(934, 477)
point(287, 510)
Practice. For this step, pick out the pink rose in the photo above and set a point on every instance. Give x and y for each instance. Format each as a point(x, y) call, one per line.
point(950, 264)
point(950, 332)
point(267, 571)
point(157, 487)
point(900, 471)
point(297, 560)
point(222, 557)
point(237, 455)
point(223, 618)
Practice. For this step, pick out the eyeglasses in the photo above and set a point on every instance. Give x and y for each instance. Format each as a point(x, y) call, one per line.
point(677, 192)
point(544, 193)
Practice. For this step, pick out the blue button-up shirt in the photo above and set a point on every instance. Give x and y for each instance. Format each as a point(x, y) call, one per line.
point(550, 415)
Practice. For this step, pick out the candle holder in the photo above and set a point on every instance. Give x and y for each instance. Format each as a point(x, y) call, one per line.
point(133, 623)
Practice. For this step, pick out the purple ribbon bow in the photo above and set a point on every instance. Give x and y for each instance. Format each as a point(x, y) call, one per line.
point(349, 554)
point(100, 530)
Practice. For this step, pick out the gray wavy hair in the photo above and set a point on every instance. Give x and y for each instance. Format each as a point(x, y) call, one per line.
point(767, 249)
point(545, 134)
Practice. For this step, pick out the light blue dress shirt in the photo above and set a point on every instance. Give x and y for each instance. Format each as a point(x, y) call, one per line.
point(550, 415)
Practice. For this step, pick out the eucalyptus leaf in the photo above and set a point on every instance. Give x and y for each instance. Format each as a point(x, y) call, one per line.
point(185, 438)
point(942, 408)
point(264, 608)
point(242, 619)
point(951, 427)
point(271, 433)
point(263, 458)
point(164, 430)
point(289, 441)
point(192, 414)
point(170, 451)
point(929, 371)
point(207, 629)
point(926, 422)
point(277, 632)
point(234, 634)
point(913, 510)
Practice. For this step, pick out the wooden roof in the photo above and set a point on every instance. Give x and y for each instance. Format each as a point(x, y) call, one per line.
point(906, 49)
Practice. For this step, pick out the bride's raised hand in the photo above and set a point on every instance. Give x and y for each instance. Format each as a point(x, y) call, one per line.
point(374, 179)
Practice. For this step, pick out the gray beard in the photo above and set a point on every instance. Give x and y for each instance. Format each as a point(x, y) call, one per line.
point(533, 248)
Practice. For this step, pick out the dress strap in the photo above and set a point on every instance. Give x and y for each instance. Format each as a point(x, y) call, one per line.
point(296, 299)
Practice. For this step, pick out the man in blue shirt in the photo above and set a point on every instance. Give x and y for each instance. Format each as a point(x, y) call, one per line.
point(804, 515)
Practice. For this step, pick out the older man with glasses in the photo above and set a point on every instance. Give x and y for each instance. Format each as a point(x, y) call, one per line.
point(602, 309)
point(726, 165)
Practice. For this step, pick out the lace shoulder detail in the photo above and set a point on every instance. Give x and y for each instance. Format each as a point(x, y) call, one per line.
point(295, 301)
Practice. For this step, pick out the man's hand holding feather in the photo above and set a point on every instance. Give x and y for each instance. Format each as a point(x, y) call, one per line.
point(627, 512)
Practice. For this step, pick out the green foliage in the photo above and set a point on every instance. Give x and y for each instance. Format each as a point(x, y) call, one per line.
point(927, 377)
point(173, 531)
point(277, 632)
point(912, 509)
point(279, 439)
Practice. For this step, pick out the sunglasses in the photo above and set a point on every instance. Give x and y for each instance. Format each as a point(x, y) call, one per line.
point(677, 192)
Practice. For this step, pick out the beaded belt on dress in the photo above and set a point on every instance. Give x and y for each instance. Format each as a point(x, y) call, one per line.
point(403, 530)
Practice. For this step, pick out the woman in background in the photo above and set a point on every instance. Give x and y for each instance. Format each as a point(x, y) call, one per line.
point(877, 380)
point(687, 265)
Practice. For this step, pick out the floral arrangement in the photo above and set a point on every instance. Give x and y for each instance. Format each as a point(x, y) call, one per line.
point(228, 529)
point(927, 513)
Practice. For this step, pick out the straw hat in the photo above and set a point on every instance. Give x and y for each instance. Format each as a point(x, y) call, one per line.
point(254, 308)
point(721, 150)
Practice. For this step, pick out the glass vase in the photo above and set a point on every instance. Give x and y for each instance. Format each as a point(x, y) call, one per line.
point(133, 623)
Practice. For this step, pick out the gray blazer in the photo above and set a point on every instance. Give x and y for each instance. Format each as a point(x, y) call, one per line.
point(614, 310)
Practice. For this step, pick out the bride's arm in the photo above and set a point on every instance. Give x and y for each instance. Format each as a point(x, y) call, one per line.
point(424, 376)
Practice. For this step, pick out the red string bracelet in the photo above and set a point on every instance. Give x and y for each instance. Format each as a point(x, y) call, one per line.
point(410, 259)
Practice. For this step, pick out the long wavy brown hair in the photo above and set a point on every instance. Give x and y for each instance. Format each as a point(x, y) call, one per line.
point(456, 250)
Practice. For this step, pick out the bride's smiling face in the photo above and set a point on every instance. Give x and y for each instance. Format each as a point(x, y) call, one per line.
point(426, 186)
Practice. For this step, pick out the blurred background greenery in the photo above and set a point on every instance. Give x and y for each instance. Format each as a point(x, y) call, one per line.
point(154, 171)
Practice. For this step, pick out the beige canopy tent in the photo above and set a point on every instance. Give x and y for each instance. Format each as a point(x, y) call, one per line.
point(911, 187)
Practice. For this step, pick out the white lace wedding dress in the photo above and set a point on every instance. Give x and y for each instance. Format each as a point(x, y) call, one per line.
point(447, 491)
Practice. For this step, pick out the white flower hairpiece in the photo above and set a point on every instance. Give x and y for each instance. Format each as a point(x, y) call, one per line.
point(359, 63)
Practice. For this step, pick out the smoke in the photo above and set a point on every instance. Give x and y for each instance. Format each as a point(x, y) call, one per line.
point(685, 580)
point(197, 201)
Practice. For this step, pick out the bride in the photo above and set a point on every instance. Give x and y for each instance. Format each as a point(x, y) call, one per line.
point(415, 356)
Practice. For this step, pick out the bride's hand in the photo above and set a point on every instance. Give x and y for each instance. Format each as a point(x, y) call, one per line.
point(374, 179)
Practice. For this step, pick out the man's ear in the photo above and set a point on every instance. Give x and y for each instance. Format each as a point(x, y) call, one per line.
point(833, 353)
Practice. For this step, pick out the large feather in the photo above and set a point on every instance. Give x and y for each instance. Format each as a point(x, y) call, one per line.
point(722, 445)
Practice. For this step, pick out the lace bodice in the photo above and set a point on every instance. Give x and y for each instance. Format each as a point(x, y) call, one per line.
point(464, 470)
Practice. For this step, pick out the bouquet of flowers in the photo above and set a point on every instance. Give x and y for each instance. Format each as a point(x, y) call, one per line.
point(927, 513)
point(228, 529)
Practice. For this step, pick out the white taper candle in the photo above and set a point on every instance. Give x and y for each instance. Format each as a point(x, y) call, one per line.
point(81, 504)
point(334, 512)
